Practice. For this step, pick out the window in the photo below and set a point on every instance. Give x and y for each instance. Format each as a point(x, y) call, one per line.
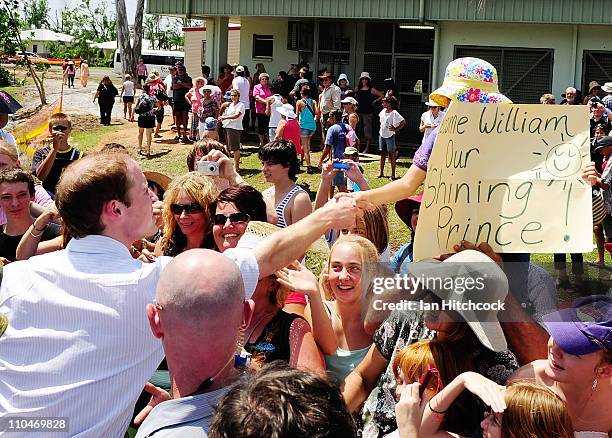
point(596, 66)
point(300, 36)
point(524, 73)
point(263, 46)
point(35, 48)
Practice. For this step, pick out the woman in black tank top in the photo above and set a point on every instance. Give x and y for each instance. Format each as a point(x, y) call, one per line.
point(366, 97)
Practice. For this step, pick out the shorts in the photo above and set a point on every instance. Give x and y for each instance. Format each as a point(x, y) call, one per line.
point(339, 179)
point(262, 123)
point(233, 139)
point(272, 132)
point(146, 121)
point(386, 144)
point(324, 118)
point(159, 115)
point(128, 99)
point(306, 132)
point(366, 122)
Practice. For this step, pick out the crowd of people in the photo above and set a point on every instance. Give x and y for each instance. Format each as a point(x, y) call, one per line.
point(191, 307)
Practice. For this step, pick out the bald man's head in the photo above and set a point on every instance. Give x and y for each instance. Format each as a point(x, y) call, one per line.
point(201, 288)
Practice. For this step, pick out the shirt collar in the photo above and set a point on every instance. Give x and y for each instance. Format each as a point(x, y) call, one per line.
point(98, 244)
point(182, 410)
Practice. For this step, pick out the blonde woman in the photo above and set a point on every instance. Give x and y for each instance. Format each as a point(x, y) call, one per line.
point(186, 213)
point(335, 306)
point(194, 97)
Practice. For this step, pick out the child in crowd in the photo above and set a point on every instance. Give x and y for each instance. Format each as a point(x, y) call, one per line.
point(352, 153)
point(208, 129)
point(391, 122)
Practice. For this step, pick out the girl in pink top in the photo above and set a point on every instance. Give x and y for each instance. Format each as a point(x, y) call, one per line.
point(194, 97)
point(261, 92)
point(289, 128)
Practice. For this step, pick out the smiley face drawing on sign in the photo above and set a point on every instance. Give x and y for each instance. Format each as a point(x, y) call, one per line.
point(564, 160)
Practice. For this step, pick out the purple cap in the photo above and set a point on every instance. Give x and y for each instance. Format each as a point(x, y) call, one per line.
point(584, 328)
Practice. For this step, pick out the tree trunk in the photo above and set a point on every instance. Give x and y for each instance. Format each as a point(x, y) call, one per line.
point(129, 53)
point(128, 63)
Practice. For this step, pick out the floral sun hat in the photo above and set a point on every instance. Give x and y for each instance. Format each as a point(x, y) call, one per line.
point(469, 80)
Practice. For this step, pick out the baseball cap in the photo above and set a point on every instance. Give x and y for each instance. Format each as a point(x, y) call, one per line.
point(350, 150)
point(210, 123)
point(240, 69)
point(583, 328)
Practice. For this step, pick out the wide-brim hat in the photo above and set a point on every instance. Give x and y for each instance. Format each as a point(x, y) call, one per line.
point(257, 231)
point(583, 328)
point(448, 280)
point(607, 87)
point(350, 100)
point(158, 178)
point(364, 74)
point(593, 84)
point(469, 80)
point(405, 207)
point(431, 103)
point(325, 74)
point(602, 143)
point(207, 87)
point(287, 111)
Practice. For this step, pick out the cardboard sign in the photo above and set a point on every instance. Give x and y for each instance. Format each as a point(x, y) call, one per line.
point(509, 175)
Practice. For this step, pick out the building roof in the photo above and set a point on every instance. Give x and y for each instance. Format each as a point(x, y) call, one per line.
point(518, 11)
point(45, 35)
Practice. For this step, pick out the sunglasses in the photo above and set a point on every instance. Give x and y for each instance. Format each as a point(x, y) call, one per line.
point(60, 128)
point(192, 208)
point(234, 218)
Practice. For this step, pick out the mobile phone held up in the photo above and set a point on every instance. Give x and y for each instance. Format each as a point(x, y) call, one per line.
point(209, 168)
point(424, 382)
point(342, 166)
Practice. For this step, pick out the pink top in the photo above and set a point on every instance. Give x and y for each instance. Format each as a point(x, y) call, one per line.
point(264, 93)
point(141, 69)
point(196, 100)
point(292, 133)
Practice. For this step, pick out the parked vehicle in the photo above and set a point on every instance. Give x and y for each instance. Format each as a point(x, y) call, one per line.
point(160, 60)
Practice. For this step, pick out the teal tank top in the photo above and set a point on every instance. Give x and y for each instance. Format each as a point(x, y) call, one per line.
point(307, 117)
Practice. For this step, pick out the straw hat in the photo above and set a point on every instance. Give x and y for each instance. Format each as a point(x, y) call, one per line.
point(478, 269)
point(158, 178)
point(257, 231)
point(593, 84)
point(325, 74)
point(287, 110)
point(469, 80)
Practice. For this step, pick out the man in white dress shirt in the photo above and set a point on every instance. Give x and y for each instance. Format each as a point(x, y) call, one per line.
point(242, 84)
point(78, 344)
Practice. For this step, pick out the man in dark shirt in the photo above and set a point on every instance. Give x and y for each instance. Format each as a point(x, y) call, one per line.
point(181, 84)
point(49, 161)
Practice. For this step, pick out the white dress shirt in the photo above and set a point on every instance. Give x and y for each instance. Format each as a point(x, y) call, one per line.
point(78, 344)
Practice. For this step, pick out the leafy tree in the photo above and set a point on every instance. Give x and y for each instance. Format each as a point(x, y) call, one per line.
point(10, 10)
point(87, 21)
point(35, 14)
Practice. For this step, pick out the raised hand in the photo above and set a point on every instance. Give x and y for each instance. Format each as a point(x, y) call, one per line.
point(158, 395)
point(590, 174)
point(488, 391)
point(409, 411)
point(298, 279)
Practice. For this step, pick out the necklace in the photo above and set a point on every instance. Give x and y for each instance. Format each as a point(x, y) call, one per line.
point(586, 403)
point(261, 320)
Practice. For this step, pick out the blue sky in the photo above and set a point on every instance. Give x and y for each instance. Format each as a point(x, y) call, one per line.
point(130, 6)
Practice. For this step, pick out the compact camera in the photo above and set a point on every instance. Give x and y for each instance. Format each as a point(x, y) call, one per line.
point(209, 168)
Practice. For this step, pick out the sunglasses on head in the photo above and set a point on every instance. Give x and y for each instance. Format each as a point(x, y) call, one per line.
point(178, 209)
point(221, 219)
point(60, 128)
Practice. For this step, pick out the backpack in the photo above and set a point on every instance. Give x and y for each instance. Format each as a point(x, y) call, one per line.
point(144, 105)
point(160, 95)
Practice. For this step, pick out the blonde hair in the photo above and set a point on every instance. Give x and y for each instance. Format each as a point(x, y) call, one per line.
point(534, 411)
point(367, 253)
point(202, 190)
point(60, 117)
point(8, 150)
point(547, 99)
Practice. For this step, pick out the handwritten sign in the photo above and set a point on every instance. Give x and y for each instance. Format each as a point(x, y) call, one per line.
point(509, 175)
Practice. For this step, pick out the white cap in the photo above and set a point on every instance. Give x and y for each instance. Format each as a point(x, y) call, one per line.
point(287, 111)
point(240, 69)
point(343, 76)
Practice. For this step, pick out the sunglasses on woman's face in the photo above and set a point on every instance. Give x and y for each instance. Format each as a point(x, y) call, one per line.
point(234, 218)
point(192, 208)
point(60, 128)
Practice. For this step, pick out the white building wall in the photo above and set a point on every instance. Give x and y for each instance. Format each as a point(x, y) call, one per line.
point(194, 55)
point(561, 38)
point(277, 27)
